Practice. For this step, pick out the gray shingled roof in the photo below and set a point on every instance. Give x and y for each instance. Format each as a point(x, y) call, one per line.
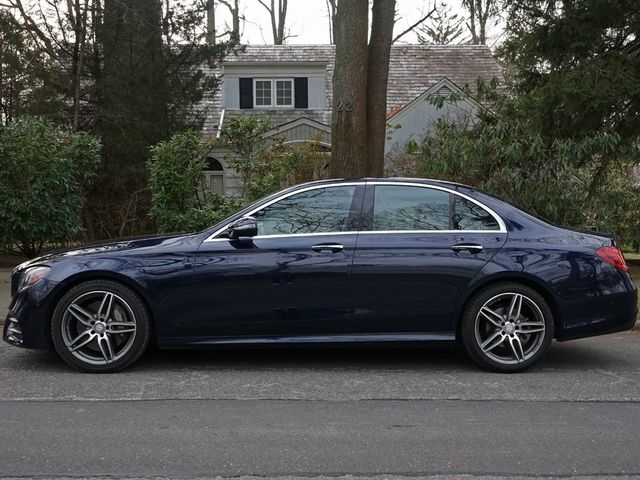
point(412, 70)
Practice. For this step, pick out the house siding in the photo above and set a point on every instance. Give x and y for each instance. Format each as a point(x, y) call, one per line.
point(413, 70)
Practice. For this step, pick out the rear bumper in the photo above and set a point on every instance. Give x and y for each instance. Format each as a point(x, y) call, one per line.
point(599, 316)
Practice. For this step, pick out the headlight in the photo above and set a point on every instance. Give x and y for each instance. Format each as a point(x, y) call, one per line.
point(32, 275)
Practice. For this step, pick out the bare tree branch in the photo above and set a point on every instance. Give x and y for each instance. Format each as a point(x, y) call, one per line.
point(412, 27)
point(332, 6)
point(278, 16)
point(234, 10)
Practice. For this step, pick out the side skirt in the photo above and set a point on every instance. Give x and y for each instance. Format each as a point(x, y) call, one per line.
point(346, 339)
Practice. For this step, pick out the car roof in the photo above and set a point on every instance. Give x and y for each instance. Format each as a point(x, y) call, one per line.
point(426, 181)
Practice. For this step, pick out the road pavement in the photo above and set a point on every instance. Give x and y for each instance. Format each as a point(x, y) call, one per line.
point(319, 413)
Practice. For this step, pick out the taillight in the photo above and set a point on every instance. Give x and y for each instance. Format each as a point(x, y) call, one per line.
point(614, 256)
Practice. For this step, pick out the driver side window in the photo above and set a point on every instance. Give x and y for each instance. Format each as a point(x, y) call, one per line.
point(321, 210)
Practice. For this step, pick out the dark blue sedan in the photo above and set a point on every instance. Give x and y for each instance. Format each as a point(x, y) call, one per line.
point(332, 262)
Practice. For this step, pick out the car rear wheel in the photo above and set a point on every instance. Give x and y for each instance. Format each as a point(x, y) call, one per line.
point(507, 327)
point(100, 326)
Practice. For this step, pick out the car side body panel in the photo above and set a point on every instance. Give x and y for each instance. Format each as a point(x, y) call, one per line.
point(388, 287)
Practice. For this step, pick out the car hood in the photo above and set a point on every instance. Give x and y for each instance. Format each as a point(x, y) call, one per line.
point(113, 246)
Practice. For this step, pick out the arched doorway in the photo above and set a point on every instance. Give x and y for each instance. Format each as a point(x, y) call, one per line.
point(213, 173)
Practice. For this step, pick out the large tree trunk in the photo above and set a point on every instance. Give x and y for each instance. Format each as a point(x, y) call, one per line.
point(80, 33)
point(349, 122)
point(211, 22)
point(133, 115)
point(282, 19)
point(383, 19)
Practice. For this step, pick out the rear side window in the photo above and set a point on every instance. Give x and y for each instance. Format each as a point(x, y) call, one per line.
point(402, 208)
point(321, 210)
point(471, 216)
point(410, 208)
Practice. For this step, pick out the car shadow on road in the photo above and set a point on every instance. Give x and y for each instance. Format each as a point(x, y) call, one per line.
point(578, 355)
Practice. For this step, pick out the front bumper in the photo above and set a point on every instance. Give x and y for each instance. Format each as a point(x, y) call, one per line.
point(12, 331)
point(28, 322)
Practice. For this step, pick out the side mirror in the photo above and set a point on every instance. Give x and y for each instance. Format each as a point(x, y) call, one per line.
point(245, 227)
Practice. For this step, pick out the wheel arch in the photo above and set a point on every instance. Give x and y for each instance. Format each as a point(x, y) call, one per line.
point(516, 277)
point(82, 277)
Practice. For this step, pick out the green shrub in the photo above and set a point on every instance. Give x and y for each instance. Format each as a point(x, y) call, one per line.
point(264, 165)
point(180, 201)
point(44, 171)
point(559, 179)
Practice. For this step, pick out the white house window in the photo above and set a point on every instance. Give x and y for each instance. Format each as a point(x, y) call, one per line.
point(284, 93)
point(263, 93)
point(273, 92)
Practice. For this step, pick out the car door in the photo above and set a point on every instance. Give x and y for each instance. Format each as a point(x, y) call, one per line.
point(421, 248)
point(290, 279)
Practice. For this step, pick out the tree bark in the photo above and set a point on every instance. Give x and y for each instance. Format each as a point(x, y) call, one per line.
point(332, 5)
point(349, 119)
point(480, 11)
point(211, 22)
point(234, 9)
point(80, 27)
point(134, 113)
point(278, 16)
point(383, 19)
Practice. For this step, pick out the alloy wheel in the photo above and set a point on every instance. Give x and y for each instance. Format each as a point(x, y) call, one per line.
point(98, 327)
point(510, 328)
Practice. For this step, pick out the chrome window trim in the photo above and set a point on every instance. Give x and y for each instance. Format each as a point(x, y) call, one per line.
point(212, 238)
point(501, 224)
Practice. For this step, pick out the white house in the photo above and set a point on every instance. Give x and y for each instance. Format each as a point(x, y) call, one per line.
point(292, 84)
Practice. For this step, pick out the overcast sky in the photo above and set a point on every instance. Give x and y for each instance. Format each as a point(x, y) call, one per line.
point(309, 22)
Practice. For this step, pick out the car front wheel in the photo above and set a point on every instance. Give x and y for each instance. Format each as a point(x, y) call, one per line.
point(100, 326)
point(507, 327)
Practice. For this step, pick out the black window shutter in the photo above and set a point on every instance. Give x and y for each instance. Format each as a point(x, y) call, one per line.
point(301, 87)
point(246, 93)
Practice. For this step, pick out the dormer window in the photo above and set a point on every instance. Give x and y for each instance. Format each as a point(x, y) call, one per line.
point(273, 92)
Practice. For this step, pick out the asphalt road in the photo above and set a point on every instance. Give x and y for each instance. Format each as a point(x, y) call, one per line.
point(315, 413)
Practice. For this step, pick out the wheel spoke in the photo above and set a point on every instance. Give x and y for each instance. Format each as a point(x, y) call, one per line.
point(124, 327)
point(516, 348)
point(80, 341)
point(492, 342)
point(106, 348)
point(83, 316)
point(531, 327)
point(515, 307)
point(104, 312)
point(493, 316)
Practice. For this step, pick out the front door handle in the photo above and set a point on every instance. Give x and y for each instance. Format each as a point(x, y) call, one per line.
point(469, 247)
point(327, 248)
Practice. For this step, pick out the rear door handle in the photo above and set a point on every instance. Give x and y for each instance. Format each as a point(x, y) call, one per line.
point(328, 248)
point(469, 247)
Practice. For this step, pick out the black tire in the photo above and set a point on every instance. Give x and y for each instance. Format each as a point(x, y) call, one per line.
point(128, 326)
point(477, 329)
